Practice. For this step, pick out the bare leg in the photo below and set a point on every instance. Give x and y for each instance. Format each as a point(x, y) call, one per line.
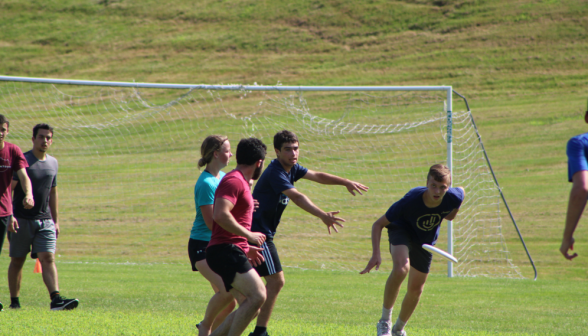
point(400, 269)
point(47, 260)
point(220, 305)
point(249, 285)
point(416, 285)
point(15, 275)
point(275, 283)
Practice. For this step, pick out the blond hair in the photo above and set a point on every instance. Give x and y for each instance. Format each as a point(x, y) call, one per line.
point(211, 144)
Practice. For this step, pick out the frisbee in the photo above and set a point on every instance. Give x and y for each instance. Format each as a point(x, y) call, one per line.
point(440, 252)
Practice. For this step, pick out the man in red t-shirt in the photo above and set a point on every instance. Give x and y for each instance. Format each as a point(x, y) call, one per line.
point(228, 253)
point(11, 160)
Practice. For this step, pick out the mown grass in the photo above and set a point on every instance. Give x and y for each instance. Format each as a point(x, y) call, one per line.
point(155, 299)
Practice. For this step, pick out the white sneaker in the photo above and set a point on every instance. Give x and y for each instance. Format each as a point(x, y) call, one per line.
point(398, 333)
point(384, 328)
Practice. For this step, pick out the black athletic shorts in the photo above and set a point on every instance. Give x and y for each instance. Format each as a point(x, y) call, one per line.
point(271, 264)
point(4, 222)
point(227, 260)
point(196, 251)
point(419, 258)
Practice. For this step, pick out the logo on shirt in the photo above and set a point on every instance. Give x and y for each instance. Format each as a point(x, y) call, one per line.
point(284, 199)
point(428, 222)
point(4, 164)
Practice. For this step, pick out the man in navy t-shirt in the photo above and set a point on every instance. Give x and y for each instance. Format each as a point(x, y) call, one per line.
point(274, 189)
point(412, 221)
point(577, 151)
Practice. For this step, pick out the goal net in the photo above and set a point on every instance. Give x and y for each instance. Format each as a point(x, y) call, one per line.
point(128, 163)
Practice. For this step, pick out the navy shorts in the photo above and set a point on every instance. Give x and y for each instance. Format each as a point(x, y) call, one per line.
point(227, 260)
point(196, 251)
point(419, 258)
point(271, 264)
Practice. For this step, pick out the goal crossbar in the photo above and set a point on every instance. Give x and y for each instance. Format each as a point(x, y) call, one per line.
point(224, 87)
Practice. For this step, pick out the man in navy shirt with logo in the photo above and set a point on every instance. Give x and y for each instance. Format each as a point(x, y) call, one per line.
point(412, 221)
point(274, 190)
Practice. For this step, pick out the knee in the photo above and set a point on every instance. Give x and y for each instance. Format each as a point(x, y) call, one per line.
point(258, 299)
point(415, 290)
point(401, 268)
point(232, 304)
point(227, 297)
point(275, 284)
point(17, 263)
point(46, 258)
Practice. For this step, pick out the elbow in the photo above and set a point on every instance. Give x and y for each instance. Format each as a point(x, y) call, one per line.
point(296, 198)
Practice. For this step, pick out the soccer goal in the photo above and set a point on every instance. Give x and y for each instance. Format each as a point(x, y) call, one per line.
point(128, 151)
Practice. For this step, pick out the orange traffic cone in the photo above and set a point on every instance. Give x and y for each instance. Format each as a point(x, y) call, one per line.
point(38, 268)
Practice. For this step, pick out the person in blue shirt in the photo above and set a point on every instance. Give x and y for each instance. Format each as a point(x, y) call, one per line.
point(577, 151)
point(412, 221)
point(216, 152)
point(274, 190)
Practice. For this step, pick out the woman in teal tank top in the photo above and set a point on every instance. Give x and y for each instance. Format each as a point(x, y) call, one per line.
point(216, 152)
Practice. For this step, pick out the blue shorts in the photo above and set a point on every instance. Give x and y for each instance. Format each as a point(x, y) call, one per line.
point(577, 150)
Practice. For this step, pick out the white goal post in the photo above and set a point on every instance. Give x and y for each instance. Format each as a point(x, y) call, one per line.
point(78, 112)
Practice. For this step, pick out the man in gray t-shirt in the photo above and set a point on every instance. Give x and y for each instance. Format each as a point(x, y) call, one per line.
point(37, 227)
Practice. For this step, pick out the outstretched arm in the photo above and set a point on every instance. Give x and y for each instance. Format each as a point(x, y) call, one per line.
point(376, 259)
point(576, 204)
point(223, 217)
point(324, 178)
point(306, 204)
point(25, 182)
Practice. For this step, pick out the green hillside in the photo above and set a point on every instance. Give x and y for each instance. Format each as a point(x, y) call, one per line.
point(480, 47)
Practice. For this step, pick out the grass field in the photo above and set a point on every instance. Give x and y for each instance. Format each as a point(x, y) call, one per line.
point(521, 64)
point(157, 299)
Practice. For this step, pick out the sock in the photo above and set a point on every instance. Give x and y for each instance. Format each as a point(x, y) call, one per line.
point(14, 301)
point(258, 331)
point(386, 314)
point(54, 295)
point(399, 325)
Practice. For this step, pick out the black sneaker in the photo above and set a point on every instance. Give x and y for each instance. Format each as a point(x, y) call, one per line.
point(61, 303)
point(1, 306)
point(14, 306)
point(264, 334)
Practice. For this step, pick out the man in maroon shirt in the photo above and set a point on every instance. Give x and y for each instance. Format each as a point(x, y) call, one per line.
point(228, 253)
point(11, 160)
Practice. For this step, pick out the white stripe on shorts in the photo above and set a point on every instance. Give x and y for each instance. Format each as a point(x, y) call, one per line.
point(269, 262)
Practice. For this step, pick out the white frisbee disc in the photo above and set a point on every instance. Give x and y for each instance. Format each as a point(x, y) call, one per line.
point(440, 252)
